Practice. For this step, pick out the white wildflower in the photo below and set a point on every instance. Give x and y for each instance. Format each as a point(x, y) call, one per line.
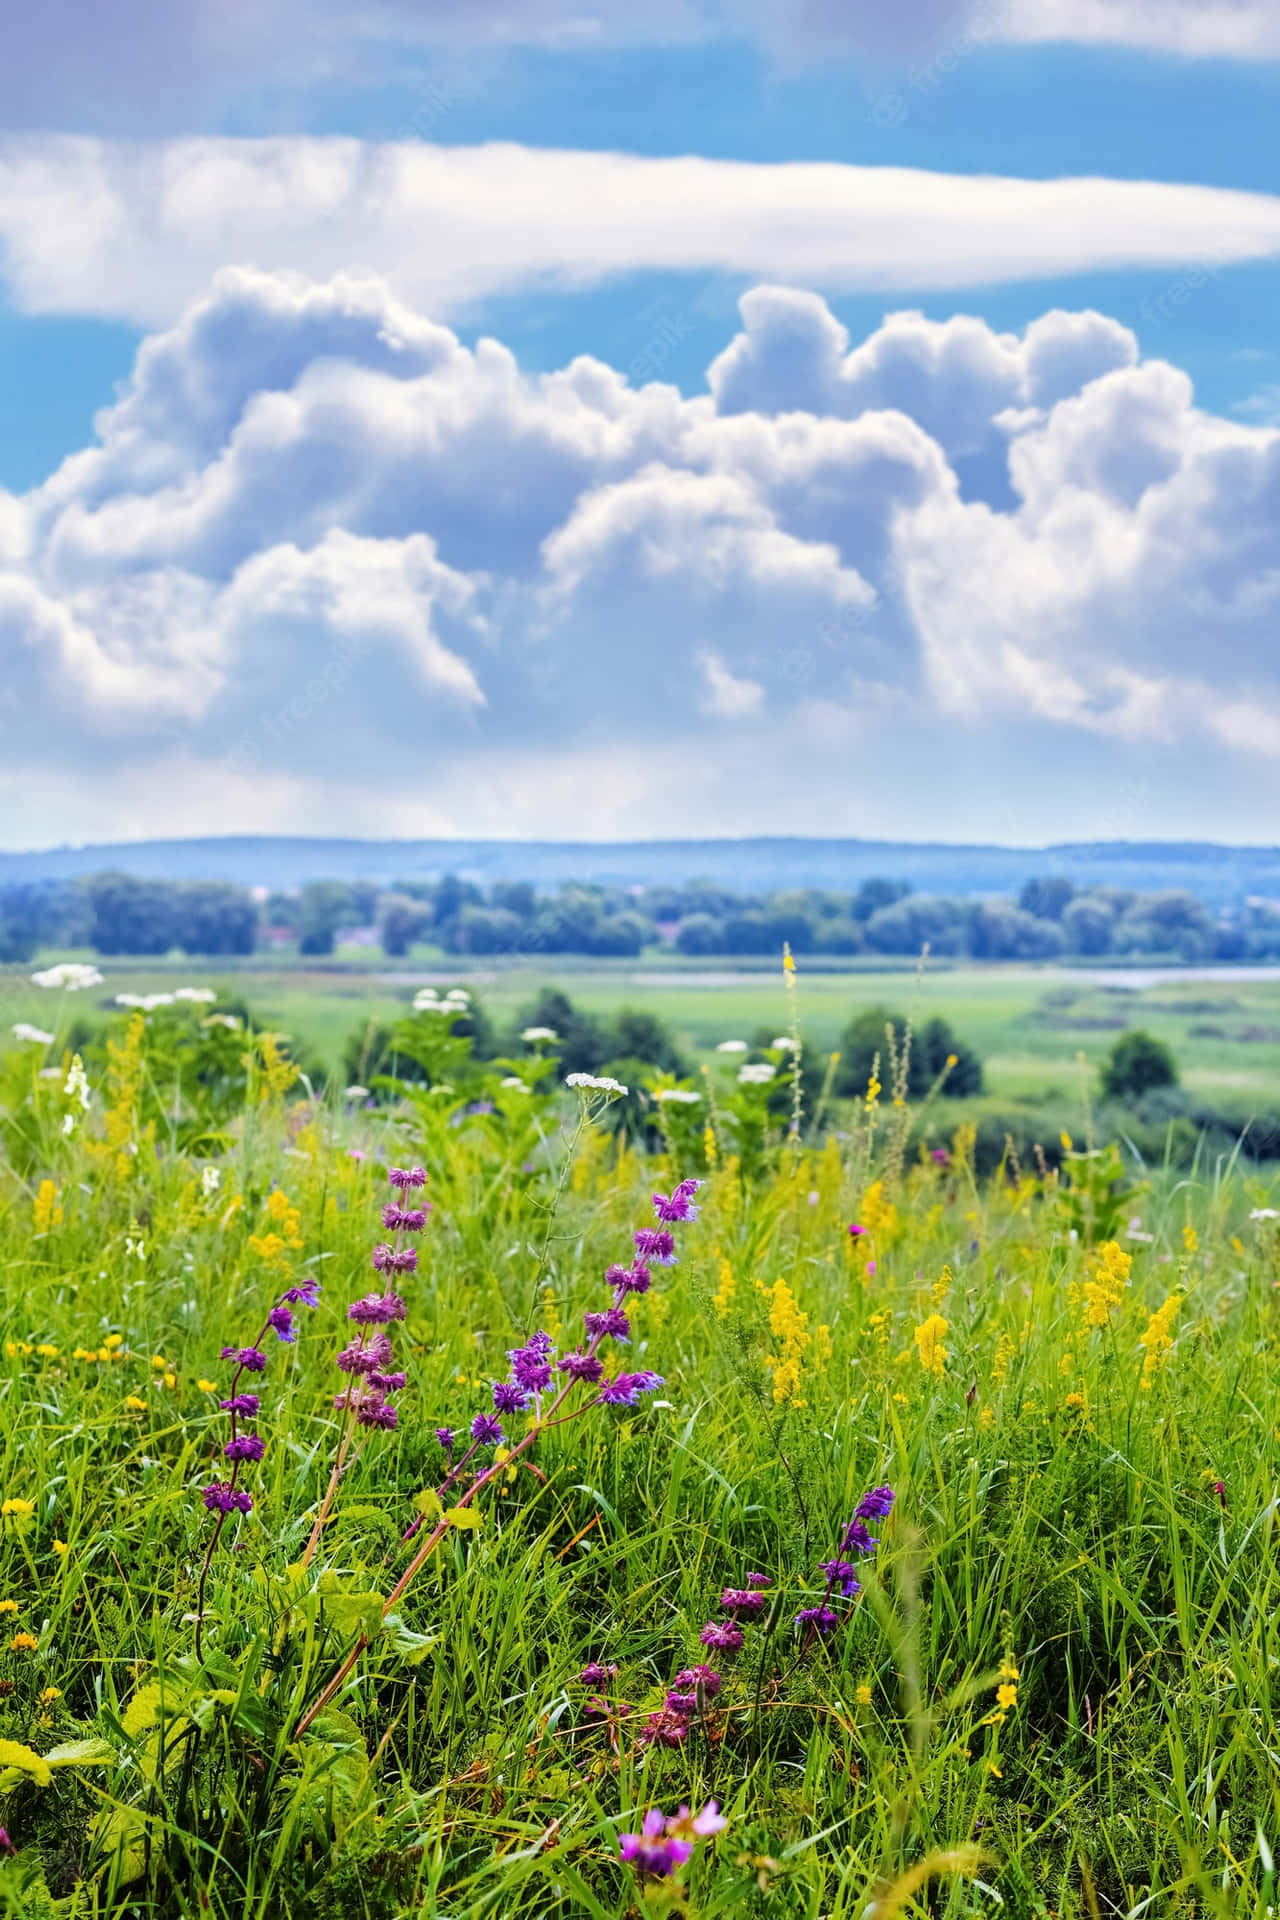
point(534, 1034)
point(228, 1020)
point(682, 1096)
point(355, 1093)
point(68, 1123)
point(732, 1046)
point(210, 1181)
point(145, 1002)
point(784, 1043)
point(133, 1246)
point(71, 975)
point(458, 997)
point(77, 1082)
point(23, 1030)
point(594, 1083)
point(755, 1074)
point(1265, 1213)
point(514, 1081)
point(199, 996)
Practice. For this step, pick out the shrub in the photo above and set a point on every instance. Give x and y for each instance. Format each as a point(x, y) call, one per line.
point(1137, 1064)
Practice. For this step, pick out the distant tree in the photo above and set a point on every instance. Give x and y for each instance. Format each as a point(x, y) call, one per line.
point(580, 1040)
point(998, 931)
point(486, 930)
point(324, 907)
point(839, 934)
point(36, 913)
point(1047, 897)
point(700, 933)
point(212, 917)
point(865, 1037)
point(638, 1035)
point(514, 896)
point(919, 920)
point(874, 894)
point(1137, 1064)
point(1088, 924)
point(401, 922)
point(132, 915)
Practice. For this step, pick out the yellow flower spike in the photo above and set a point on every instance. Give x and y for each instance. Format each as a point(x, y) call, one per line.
point(1157, 1340)
point(23, 1643)
point(726, 1290)
point(986, 1418)
point(929, 1344)
point(17, 1509)
point(1191, 1239)
point(46, 1208)
point(1102, 1292)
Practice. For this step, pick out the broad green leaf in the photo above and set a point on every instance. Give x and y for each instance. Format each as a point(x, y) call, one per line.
point(428, 1503)
point(412, 1647)
point(22, 1763)
point(81, 1753)
point(353, 1613)
point(465, 1517)
point(143, 1710)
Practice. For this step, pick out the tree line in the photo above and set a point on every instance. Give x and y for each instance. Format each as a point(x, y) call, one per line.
point(119, 913)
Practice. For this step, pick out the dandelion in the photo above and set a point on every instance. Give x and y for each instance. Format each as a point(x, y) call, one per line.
point(8, 1606)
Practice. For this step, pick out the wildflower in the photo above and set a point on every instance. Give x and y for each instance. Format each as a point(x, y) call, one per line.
point(307, 1295)
point(929, 1337)
point(32, 1036)
point(445, 1435)
point(360, 1356)
point(1157, 1340)
point(245, 1446)
point(1006, 1696)
point(135, 1404)
point(249, 1359)
point(790, 1328)
point(377, 1309)
point(76, 1086)
point(372, 1409)
point(633, 1279)
point(404, 1219)
point(698, 1826)
point(612, 1323)
point(73, 976)
point(664, 1729)
point(679, 1204)
point(395, 1259)
point(46, 1351)
point(654, 1855)
point(8, 1606)
point(732, 1046)
point(197, 996)
point(583, 1366)
point(626, 1388)
point(221, 1497)
point(820, 1619)
point(678, 1096)
point(1191, 1239)
point(863, 1695)
point(356, 1093)
point(530, 1367)
point(755, 1074)
point(61, 1548)
point(49, 1695)
point(23, 1643)
point(741, 1600)
point(595, 1083)
point(486, 1430)
point(759, 1581)
point(1220, 1488)
point(1109, 1276)
point(685, 1704)
point(596, 1675)
point(705, 1678)
point(281, 1320)
point(719, 1634)
point(509, 1398)
point(245, 1405)
point(859, 1536)
point(533, 1035)
point(842, 1574)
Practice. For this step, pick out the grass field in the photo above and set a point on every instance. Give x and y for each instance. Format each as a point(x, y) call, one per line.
point(1055, 1694)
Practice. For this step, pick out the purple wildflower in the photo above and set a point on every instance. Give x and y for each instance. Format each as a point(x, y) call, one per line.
point(377, 1309)
point(582, 1366)
point(656, 1244)
point(821, 1619)
point(250, 1359)
point(486, 1429)
point(595, 1674)
point(705, 1677)
point(360, 1356)
point(741, 1600)
point(633, 1279)
point(222, 1497)
point(404, 1219)
point(855, 1231)
point(721, 1635)
point(664, 1729)
point(626, 1389)
point(759, 1581)
point(392, 1260)
point(653, 1856)
point(685, 1189)
point(307, 1295)
point(245, 1446)
point(841, 1573)
point(860, 1537)
point(686, 1703)
point(613, 1322)
point(387, 1382)
point(282, 1320)
point(677, 1206)
point(509, 1398)
point(374, 1410)
point(404, 1177)
point(530, 1368)
point(875, 1505)
point(446, 1437)
point(244, 1404)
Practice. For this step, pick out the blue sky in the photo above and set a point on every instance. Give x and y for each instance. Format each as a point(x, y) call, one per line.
point(861, 489)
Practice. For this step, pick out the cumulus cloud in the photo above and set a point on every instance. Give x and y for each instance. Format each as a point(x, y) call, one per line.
point(135, 230)
point(146, 59)
point(325, 561)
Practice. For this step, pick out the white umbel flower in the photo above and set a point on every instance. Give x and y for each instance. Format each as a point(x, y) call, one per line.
point(732, 1046)
point(534, 1034)
point(71, 975)
point(198, 996)
point(594, 1083)
point(756, 1073)
point(23, 1030)
point(680, 1096)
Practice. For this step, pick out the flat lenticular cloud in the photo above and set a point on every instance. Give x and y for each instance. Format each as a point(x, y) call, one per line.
point(134, 230)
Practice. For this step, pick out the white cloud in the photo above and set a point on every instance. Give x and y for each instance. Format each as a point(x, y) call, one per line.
point(136, 230)
point(325, 566)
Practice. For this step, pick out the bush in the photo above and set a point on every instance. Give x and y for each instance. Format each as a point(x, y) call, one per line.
point(931, 1047)
point(1137, 1064)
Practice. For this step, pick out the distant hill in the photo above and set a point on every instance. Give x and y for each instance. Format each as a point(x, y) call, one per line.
point(1219, 875)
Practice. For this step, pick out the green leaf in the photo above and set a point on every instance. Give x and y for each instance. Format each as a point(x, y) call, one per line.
point(428, 1503)
point(21, 1763)
point(465, 1517)
point(412, 1647)
point(353, 1613)
point(81, 1753)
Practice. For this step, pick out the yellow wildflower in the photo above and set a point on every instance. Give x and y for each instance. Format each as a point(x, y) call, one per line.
point(942, 1287)
point(113, 1340)
point(877, 1214)
point(23, 1643)
point(822, 1347)
point(269, 1248)
point(8, 1606)
point(725, 1291)
point(159, 1362)
point(986, 1418)
point(790, 1328)
point(61, 1548)
point(1065, 1138)
point(17, 1509)
point(207, 1386)
point(863, 1696)
point(18, 1349)
point(902, 1399)
point(169, 1380)
point(929, 1337)
point(1006, 1696)
point(286, 1216)
point(46, 1208)
point(1191, 1239)
point(47, 1352)
point(1157, 1340)
point(83, 1353)
point(1104, 1289)
point(134, 1404)
point(550, 1315)
point(709, 1146)
point(1074, 1400)
point(49, 1695)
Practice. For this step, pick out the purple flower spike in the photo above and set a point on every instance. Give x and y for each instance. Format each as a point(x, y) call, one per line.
point(387, 1382)
point(486, 1429)
point(673, 1207)
point(530, 1368)
point(405, 1177)
point(595, 1674)
point(282, 1320)
point(222, 1497)
point(612, 1322)
point(582, 1366)
point(721, 1635)
point(656, 1244)
point(740, 1600)
point(387, 1260)
point(446, 1437)
point(705, 1677)
point(251, 1359)
point(625, 1391)
point(509, 1398)
point(307, 1295)
point(759, 1580)
point(377, 1309)
point(404, 1219)
point(685, 1703)
point(245, 1446)
point(244, 1404)
point(821, 1619)
point(373, 1410)
point(875, 1505)
point(360, 1356)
